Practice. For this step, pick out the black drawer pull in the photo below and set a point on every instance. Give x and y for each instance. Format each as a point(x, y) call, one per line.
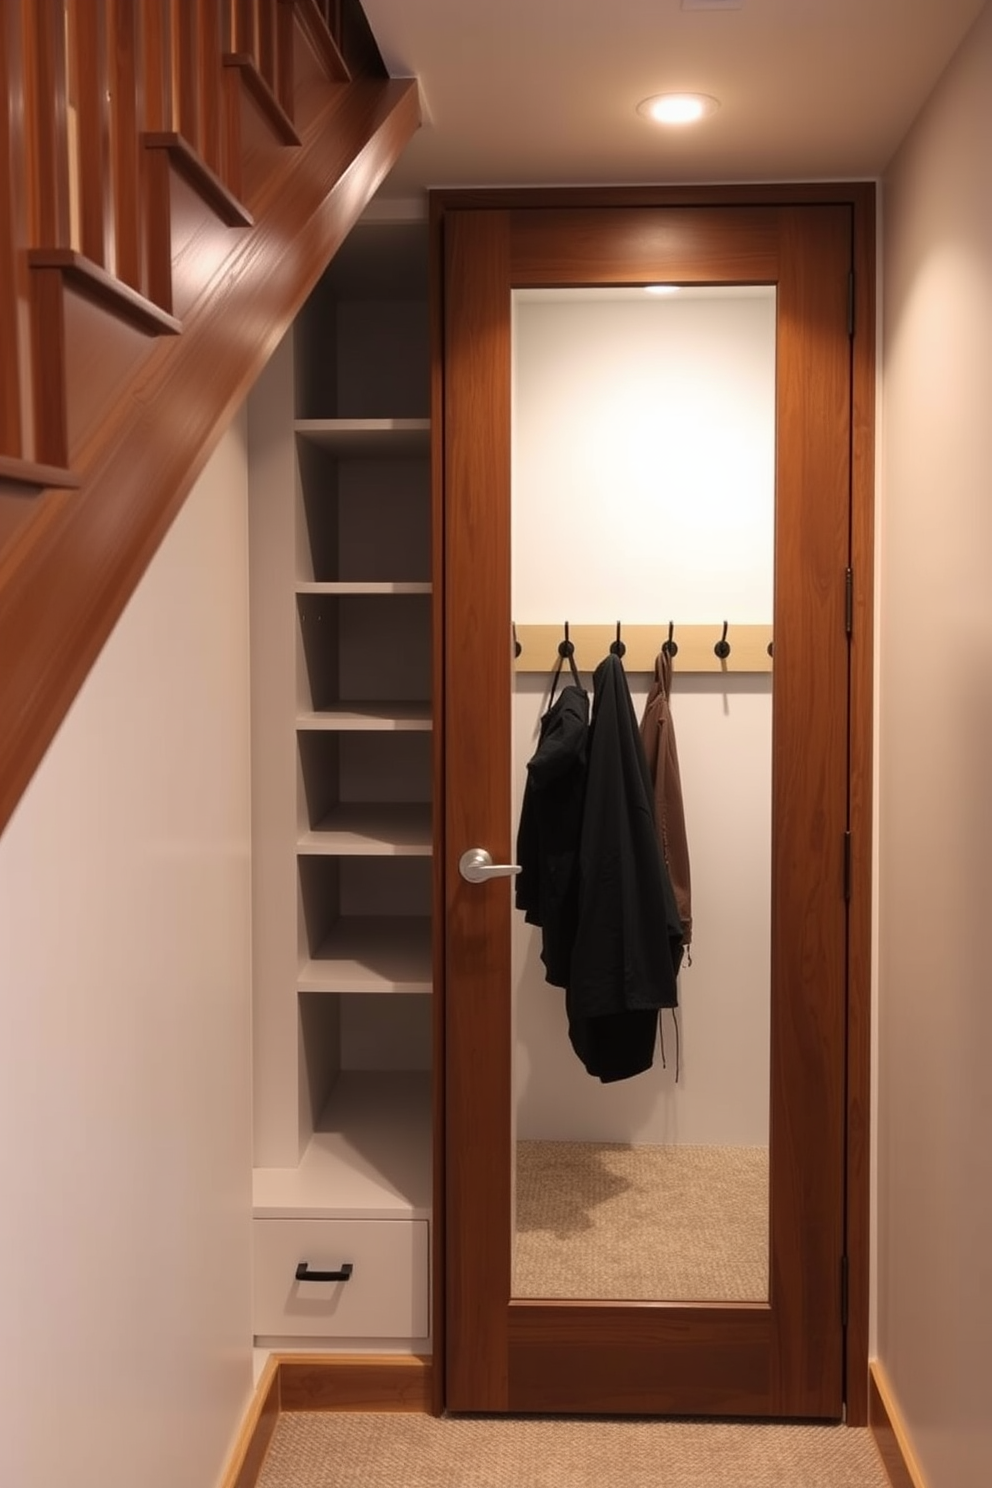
point(303, 1273)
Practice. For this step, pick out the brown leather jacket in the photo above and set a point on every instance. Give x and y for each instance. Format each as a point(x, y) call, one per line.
point(658, 736)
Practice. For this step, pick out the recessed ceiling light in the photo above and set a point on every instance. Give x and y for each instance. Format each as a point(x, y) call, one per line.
point(662, 289)
point(678, 108)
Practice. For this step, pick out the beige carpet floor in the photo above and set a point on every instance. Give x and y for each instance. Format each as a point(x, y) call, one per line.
point(673, 1224)
point(615, 1221)
point(398, 1451)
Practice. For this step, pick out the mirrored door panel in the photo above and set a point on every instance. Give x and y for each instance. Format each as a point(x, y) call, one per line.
point(643, 481)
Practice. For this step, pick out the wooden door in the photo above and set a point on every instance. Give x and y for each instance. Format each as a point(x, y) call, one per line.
point(783, 1357)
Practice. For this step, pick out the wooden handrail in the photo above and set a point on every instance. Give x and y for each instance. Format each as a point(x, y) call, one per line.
point(136, 418)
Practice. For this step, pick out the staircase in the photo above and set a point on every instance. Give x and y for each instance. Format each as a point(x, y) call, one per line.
point(174, 177)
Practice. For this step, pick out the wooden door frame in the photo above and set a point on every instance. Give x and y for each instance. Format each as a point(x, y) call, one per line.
point(860, 197)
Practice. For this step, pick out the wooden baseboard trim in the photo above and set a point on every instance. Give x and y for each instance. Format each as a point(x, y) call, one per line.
point(889, 1431)
point(324, 1382)
point(256, 1431)
point(355, 1382)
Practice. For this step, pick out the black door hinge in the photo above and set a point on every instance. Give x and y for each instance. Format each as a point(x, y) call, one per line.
point(849, 600)
point(850, 303)
point(847, 867)
point(844, 1290)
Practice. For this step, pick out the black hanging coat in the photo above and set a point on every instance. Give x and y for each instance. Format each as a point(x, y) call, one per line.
point(548, 835)
point(628, 943)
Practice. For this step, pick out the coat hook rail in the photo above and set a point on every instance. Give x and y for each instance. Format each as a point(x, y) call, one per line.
point(699, 647)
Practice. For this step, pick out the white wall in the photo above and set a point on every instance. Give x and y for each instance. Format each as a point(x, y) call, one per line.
point(124, 1040)
point(643, 490)
point(935, 850)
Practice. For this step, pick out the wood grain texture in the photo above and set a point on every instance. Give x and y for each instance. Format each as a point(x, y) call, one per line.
point(232, 168)
point(266, 46)
point(859, 927)
point(638, 245)
point(210, 49)
point(28, 473)
point(66, 575)
point(89, 72)
point(809, 811)
point(644, 1360)
point(477, 805)
point(506, 198)
point(10, 393)
point(126, 123)
point(156, 70)
point(806, 250)
point(355, 1382)
point(889, 1432)
point(438, 775)
point(185, 80)
point(243, 26)
point(285, 33)
point(157, 217)
point(46, 134)
point(48, 349)
point(748, 647)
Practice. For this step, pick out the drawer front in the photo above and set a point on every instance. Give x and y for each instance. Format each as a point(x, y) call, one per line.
point(386, 1295)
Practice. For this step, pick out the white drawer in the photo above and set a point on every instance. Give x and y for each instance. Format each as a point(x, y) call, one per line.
point(386, 1295)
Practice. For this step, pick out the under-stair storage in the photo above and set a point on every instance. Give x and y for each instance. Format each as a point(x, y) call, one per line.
point(342, 838)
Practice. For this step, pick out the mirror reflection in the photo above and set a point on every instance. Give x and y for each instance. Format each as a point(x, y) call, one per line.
point(642, 495)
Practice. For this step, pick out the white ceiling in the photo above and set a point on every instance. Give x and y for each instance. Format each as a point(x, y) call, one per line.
point(544, 91)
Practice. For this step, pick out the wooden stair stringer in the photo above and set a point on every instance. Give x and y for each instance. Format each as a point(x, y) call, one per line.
point(69, 570)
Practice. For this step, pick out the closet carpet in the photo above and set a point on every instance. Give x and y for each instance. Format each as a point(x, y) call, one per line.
point(328, 1450)
point(672, 1224)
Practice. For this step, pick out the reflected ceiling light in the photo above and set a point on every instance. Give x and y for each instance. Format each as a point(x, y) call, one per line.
point(678, 108)
point(662, 289)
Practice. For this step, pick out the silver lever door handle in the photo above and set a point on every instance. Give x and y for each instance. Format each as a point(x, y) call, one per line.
point(476, 865)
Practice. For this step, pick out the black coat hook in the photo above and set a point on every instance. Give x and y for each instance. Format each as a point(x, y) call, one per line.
point(671, 646)
point(517, 648)
point(722, 647)
point(617, 647)
point(565, 647)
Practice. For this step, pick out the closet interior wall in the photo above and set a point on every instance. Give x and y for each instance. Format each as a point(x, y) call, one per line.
point(340, 592)
point(643, 462)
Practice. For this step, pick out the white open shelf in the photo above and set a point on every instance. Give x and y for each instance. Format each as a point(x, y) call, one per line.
point(368, 438)
point(369, 1157)
point(386, 715)
point(352, 828)
point(359, 586)
point(371, 953)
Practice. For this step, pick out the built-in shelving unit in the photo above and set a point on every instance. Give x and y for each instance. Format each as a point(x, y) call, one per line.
point(373, 1126)
point(342, 817)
